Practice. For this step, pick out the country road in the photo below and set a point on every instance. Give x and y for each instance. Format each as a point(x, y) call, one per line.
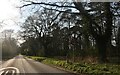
point(26, 66)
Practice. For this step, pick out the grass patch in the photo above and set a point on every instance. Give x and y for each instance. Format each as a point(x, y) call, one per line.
point(37, 58)
point(82, 68)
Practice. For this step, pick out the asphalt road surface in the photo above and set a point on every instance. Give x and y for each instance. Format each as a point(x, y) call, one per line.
point(24, 66)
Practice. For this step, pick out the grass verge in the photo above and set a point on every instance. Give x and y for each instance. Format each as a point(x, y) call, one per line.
point(81, 68)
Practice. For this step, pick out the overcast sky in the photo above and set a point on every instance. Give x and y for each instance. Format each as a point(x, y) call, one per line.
point(9, 14)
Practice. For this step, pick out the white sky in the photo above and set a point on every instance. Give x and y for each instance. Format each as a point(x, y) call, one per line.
point(9, 14)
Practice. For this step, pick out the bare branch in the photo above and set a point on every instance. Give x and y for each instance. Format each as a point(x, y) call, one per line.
point(86, 15)
point(63, 11)
point(48, 4)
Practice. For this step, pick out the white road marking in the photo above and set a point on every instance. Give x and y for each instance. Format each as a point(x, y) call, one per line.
point(6, 72)
point(1, 72)
point(13, 72)
point(14, 69)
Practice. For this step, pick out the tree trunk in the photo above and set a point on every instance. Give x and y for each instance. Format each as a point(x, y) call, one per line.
point(102, 50)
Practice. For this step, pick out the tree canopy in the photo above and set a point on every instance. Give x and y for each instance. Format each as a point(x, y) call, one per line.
point(73, 29)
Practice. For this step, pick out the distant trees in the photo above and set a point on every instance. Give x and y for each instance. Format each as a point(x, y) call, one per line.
point(9, 44)
point(53, 31)
point(73, 33)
